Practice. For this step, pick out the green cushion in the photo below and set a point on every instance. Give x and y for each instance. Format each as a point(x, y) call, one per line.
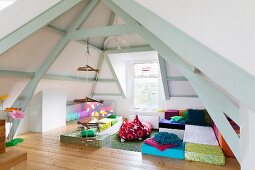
point(186, 115)
point(112, 116)
point(88, 133)
point(14, 142)
point(177, 118)
point(204, 153)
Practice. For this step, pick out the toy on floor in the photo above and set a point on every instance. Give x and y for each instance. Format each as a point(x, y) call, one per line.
point(14, 142)
point(134, 130)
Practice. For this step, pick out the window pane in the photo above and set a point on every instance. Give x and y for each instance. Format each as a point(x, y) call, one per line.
point(146, 70)
point(146, 93)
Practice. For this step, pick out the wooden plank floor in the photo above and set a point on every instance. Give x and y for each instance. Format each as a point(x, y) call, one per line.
point(46, 152)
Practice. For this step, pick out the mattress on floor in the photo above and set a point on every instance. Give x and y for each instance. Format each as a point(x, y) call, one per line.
point(73, 137)
point(175, 152)
point(204, 153)
point(178, 132)
point(165, 123)
point(200, 135)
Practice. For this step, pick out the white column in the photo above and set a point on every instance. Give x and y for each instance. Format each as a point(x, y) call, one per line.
point(247, 142)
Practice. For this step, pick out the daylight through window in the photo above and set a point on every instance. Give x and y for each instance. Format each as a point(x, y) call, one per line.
point(146, 89)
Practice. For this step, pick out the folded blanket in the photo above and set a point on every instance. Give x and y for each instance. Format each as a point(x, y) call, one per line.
point(152, 142)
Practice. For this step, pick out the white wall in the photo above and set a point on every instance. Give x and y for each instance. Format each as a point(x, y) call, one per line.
point(53, 110)
point(21, 12)
point(46, 111)
point(226, 26)
point(33, 119)
point(121, 72)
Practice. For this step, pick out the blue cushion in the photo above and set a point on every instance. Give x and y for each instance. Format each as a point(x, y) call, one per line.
point(196, 117)
point(165, 138)
point(175, 152)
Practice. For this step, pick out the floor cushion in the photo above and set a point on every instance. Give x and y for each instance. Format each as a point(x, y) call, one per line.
point(196, 117)
point(164, 138)
point(134, 130)
point(204, 153)
point(176, 152)
point(152, 142)
point(200, 135)
point(171, 113)
point(178, 132)
point(165, 123)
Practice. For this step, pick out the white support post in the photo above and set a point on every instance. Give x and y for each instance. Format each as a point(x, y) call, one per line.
point(162, 65)
point(247, 138)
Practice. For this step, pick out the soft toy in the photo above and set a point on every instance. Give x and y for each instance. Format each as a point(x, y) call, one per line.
point(134, 130)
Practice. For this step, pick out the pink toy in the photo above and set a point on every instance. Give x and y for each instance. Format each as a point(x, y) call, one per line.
point(16, 114)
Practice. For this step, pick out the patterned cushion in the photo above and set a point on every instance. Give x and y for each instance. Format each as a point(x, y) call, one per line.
point(134, 130)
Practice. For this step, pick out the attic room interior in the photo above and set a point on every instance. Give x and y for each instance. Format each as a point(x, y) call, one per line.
point(137, 84)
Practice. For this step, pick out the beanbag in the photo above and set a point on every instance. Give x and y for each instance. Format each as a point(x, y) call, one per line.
point(134, 130)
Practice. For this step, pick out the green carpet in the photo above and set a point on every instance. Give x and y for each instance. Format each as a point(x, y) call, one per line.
point(134, 145)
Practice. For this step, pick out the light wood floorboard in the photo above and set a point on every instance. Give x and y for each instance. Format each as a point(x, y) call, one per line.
point(46, 152)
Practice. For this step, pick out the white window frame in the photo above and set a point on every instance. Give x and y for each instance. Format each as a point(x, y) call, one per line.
point(131, 78)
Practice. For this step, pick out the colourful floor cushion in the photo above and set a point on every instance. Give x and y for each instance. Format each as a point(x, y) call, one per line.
point(178, 132)
point(200, 135)
point(134, 130)
point(170, 113)
point(152, 142)
point(165, 123)
point(176, 152)
point(204, 153)
point(107, 124)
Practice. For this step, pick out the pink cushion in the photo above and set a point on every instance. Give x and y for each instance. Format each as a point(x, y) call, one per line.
point(152, 142)
point(171, 113)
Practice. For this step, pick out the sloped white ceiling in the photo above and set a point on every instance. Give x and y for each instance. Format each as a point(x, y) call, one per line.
point(105, 72)
point(73, 56)
point(73, 90)
point(99, 18)
point(30, 53)
point(171, 70)
point(11, 87)
point(66, 19)
point(107, 88)
point(22, 12)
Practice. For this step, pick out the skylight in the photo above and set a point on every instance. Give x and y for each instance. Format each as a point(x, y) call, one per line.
point(5, 3)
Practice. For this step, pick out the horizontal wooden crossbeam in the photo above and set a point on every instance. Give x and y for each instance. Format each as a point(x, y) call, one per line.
point(104, 31)
point(30, 75)
point(63, 33)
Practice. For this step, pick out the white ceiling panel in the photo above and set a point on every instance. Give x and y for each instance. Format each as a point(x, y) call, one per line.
point(30, 53)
